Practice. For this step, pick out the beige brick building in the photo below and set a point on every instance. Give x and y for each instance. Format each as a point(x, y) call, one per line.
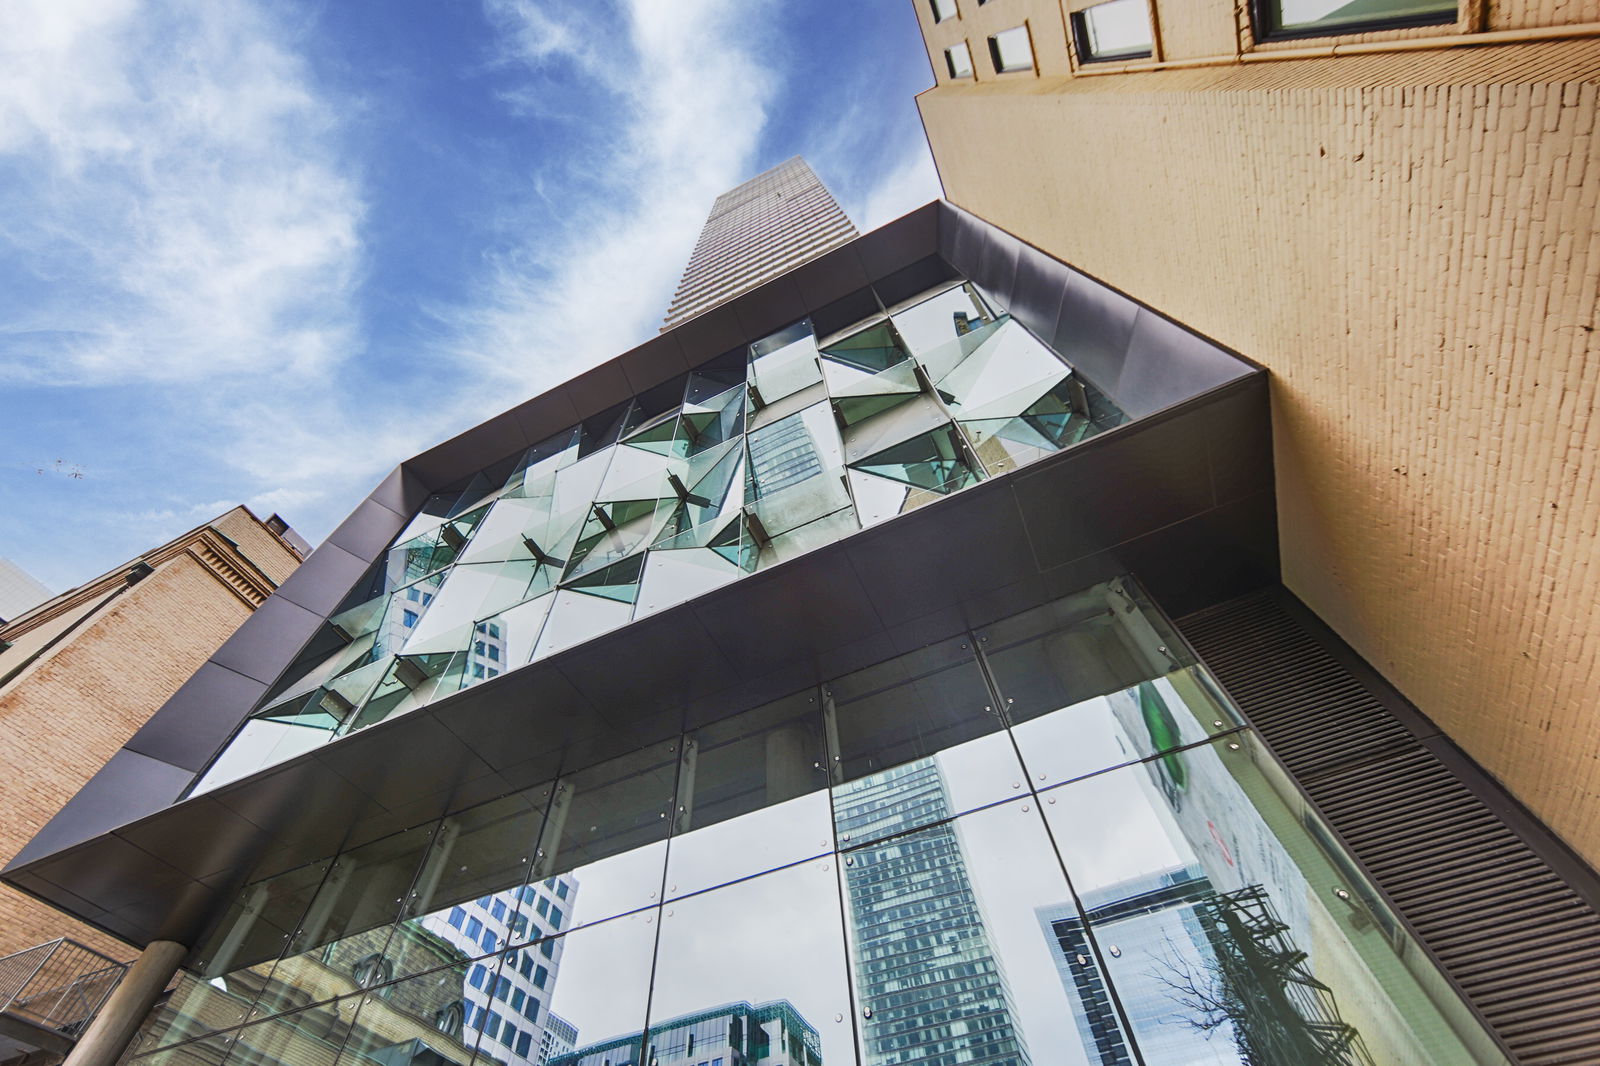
point(1401, 225)
point(82, 671)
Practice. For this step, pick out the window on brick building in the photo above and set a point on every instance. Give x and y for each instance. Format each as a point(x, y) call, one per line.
point(1119, 29)
point(1324, 18)
point(958, 60)
point(1011, 50)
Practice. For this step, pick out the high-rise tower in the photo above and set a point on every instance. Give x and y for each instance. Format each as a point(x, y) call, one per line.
point(756, 231)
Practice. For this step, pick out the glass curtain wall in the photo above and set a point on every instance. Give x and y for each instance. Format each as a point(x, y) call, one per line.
point(1051, 840)
point(775, 448)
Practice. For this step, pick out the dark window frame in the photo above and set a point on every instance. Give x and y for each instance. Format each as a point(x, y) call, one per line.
point(1080, 43)
point(1264, 27)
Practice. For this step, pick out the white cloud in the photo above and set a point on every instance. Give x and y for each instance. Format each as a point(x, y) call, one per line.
point(679, 94)
point(172, 198)
point(905, 188)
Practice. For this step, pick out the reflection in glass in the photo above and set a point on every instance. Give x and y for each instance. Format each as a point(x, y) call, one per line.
point(877, 833)
point(752, 796)
point(754, 973)
point(1280, 953)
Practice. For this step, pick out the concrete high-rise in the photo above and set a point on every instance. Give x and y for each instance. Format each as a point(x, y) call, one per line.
point(756, 231)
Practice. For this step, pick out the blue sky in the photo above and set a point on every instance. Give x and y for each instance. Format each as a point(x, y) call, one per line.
point(261, 252)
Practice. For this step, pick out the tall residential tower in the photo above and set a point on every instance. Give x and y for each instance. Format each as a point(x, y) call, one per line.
point(757, 231)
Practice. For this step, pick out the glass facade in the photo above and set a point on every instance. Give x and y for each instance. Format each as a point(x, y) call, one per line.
point(1050, 839)
point(782, 445)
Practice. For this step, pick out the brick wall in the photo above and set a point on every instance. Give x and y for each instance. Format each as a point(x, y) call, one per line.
point(1408, 242)
point(81, 701)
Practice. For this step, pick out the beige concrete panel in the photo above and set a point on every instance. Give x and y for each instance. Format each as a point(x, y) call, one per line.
point(1409, 243)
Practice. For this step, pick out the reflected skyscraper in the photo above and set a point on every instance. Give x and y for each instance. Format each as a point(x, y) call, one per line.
point(1150, 919)
point(929, 982)
point(731, 1034)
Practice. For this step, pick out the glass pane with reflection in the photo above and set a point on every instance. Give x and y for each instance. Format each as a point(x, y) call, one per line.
point(234, 965)
point(608, 829)
point(1222, 907)
point(592, 990)
point(916, 739)
point(469, 896)
point(345, 930)
point(308, 1037)
point(752, 796)
point(951, 962)
point(420, 1020)
point(755, 972)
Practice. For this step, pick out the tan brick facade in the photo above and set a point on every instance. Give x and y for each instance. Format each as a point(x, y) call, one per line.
point(70, 708)
point(1408, 241)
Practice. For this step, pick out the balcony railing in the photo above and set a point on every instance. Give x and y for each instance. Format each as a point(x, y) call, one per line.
point(58, 986)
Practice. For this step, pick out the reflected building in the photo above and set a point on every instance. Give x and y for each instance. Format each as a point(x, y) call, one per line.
point(509, 1002)
point(930, 984)
point(1151, 922)
point(732, 1034)
point(560, 1038)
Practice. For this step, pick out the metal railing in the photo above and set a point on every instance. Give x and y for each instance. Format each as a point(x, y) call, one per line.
point(59, 985)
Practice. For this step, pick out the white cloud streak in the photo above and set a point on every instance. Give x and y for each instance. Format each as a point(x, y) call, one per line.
point(174, 201)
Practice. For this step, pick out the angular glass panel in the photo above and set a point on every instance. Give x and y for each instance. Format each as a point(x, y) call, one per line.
point(717, 992)
point(257, 745)
point(674, 577)
point(716, 377)
point(1003, 376)
point(348, 922)
point(576, 617)
point(504, 641)
point(1265, 936)
point(541, 461)
point(410, 682)
point(793, 450)
point(795, 542)
point(752, 796)
point(912, 474)
point(608, 827)
point(711, 422)
point(602, 430)
point(421, 1020)
point(940, 320)
point(593, 988)
point(783, 364)
point(485, 853)
point(947, 953)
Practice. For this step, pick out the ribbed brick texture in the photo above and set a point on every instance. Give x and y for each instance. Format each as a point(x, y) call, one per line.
point(1408, 242)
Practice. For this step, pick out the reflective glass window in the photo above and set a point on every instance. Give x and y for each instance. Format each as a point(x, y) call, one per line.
point(1011, 50)
point(1312, 18)
point(958, 60)
point(1116, 29)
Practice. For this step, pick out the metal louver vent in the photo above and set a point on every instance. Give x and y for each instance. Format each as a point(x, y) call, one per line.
point(1522, 942)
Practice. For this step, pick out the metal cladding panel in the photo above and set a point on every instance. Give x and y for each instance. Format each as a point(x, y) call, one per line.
point(1508, 912)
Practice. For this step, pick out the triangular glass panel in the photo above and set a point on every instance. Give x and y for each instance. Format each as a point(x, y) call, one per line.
point(854, 409)
point(319, 709)
point(870, 351)
point(1004, 444)
point(716, 376)
point(935, 462)
point(411, 681)
point(619, 581)
point(542, 461)
point(598, 431)
point(654, 404)
point(659, 436)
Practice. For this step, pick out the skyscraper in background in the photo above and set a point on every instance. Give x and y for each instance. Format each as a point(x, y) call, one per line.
point(927, 977)
point(756, 231)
